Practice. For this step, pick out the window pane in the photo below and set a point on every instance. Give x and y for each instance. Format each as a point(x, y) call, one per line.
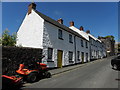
point(59, 33)
point(78, 55)
point(82, 43)
point(70, 38)
point(70, 55)
point(50, 51)
point(86, 45)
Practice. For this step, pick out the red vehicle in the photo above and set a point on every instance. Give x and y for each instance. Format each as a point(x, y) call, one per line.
point(9, 82)
point(33, 72)
point(29, 72)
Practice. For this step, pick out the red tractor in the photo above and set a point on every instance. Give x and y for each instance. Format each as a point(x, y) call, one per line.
point(33, 71)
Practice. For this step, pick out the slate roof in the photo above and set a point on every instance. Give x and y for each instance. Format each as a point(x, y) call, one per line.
point(82, 33)
point(54, 22)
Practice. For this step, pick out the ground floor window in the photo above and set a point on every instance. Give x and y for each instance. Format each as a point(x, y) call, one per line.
point(70, 56)
point(50, 53)
point(78, 55)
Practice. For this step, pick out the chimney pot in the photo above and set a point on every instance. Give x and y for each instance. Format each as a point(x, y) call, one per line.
point(81, 28)
point(60, 21)
point(71, 23)
point(88, 31)
point(30, 7)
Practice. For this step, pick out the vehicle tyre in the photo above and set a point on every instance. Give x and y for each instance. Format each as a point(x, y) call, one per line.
point(32, 77)
point(115, 66)
point(47, 74)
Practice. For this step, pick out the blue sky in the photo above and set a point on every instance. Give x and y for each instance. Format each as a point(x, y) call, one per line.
point(101, 18)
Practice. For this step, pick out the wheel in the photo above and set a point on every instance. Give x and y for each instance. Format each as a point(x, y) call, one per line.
point(115, 66)
point(47, 74)
point(32, 77)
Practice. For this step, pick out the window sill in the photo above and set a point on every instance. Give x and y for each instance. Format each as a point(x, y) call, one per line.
point(71, 61)
point(70, 42)
point(78, 59)
point(50, 61)
point(61, 38)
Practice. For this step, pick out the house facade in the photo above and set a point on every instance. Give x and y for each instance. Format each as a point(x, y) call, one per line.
point(61, 45)
point(109, 43)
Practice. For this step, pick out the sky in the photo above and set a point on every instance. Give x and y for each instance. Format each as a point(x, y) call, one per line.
point(101, 18)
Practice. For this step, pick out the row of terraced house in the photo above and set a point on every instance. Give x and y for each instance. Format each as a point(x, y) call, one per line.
point(61, 45)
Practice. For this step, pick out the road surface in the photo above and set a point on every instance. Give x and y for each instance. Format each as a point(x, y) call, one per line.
point(98, 74)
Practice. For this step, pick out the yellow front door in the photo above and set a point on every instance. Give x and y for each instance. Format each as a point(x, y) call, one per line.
point(59, 55)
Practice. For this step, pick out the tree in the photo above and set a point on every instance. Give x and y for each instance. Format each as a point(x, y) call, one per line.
point(0, 41)
point(7, 39)
point(110, 36)
point(119, 47)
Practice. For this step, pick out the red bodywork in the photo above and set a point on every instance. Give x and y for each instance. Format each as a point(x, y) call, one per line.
point(43, 66)
point(23, 71)
point(11, 79)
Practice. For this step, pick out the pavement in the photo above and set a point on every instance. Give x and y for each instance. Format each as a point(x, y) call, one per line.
point(72, 67)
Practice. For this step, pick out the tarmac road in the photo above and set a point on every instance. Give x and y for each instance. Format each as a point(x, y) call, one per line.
point(98, 74)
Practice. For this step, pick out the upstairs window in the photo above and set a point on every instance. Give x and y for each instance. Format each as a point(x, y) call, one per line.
point(60, 34)
point(81, 43)
point(86, 44)
point(70, 38)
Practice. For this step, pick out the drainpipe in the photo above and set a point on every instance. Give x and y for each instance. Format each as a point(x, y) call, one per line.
point(75, 48)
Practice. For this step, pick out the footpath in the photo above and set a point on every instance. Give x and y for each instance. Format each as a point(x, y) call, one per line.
point(68, 68)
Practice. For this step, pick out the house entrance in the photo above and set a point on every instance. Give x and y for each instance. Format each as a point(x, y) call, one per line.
point(59, 56)
point(82, 57)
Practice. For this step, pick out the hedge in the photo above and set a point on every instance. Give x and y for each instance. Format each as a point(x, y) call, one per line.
point(13, 56)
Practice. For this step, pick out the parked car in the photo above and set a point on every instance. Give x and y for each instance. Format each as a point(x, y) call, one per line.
point(116, 63)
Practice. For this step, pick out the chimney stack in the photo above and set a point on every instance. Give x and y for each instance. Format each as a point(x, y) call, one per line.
point(88, 31)
point(30, 7)
point(81, 28)
point(71, 23)
point(60, 21)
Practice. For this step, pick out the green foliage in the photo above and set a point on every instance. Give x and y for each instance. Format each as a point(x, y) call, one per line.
point(110, 36)
point(7, 39)
point(0, 40)
point(118, 47)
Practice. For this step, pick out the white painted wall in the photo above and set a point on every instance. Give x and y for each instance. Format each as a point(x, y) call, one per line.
point(82, 49)
point(78, 43)
point(50, 39)
point(30, 33)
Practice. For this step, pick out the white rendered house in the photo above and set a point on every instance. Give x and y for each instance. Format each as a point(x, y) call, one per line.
point(61, 45)
point(82, 45)
point(57, 41)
